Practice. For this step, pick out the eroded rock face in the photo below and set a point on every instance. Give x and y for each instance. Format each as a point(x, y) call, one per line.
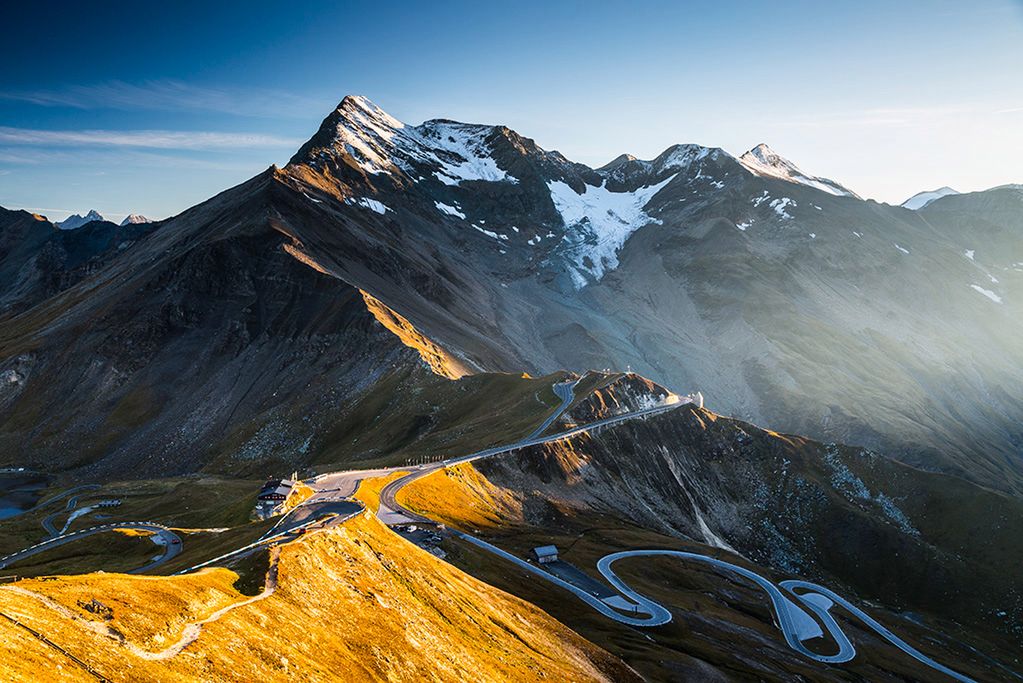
point(607, 395)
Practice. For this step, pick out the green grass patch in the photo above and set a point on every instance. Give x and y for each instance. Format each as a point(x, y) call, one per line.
point(412, 415)
point(109, 551)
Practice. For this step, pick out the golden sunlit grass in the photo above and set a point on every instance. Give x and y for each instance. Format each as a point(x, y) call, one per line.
point(439, 360)
point(300, 493)
point(461, 496)
point(150, 612)
point(369, 489)
point(356, 602)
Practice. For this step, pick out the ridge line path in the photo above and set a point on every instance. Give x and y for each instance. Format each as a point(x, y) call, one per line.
point(191, 631)
point(391, 511)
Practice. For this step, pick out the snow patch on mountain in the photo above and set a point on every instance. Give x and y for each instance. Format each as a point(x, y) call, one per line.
point(599, 222)
point(490, 233)
point(779, 206)
point(462, 151)
point(371, 204)
point(922, 199)
point(988, 293)
point(449, 210)
point(763, 161)
point(683, 156)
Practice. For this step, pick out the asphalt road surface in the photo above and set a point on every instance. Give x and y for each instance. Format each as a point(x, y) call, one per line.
point(164, 537)
point(391, 512)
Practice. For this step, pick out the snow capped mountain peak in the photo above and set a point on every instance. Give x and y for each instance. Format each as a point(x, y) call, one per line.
point(922, 199)
point(629, 170)
point(683, 156)
point(363, 135)
point(764, 161)
point(766, 156)
point(77, 221)
point(135, 219)
point(363, 109)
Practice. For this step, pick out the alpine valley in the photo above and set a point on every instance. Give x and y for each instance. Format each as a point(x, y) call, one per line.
point(802, 408)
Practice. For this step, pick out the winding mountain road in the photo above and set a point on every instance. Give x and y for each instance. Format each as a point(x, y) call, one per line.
point(824, 598)
point(326, 518)
point(329, 506)
point(392, 512)
point(167, 539)
point(796, 623)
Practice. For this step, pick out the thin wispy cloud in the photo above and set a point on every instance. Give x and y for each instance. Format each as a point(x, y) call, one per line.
point(81, 158)
point(882, 117)
point(166, 95)
point(154, 139)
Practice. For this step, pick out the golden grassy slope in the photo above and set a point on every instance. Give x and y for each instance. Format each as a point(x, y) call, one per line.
point(462, 497)
point(369, 489)
point(440, 361)
point(300, 493)
point(353, 603)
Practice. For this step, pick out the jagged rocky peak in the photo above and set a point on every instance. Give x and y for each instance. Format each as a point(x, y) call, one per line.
point(77, 220)
point(764, 161)
point(366, 137)
point(627, 172)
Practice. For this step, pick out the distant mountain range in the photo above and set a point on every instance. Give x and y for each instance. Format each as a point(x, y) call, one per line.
point(77, 220)
point(784, 297)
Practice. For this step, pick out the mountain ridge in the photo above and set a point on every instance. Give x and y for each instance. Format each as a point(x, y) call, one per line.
point(775, 298)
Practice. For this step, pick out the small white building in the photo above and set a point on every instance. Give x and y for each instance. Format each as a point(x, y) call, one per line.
point(546, 554)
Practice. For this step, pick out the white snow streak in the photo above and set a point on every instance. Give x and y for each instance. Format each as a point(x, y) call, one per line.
point(600, 221)
point(449, 210)
point(988, 293)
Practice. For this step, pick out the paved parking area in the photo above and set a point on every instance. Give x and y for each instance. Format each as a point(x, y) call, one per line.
point(577, 577)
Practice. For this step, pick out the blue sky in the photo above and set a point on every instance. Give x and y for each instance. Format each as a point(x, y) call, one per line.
point(151, 108)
